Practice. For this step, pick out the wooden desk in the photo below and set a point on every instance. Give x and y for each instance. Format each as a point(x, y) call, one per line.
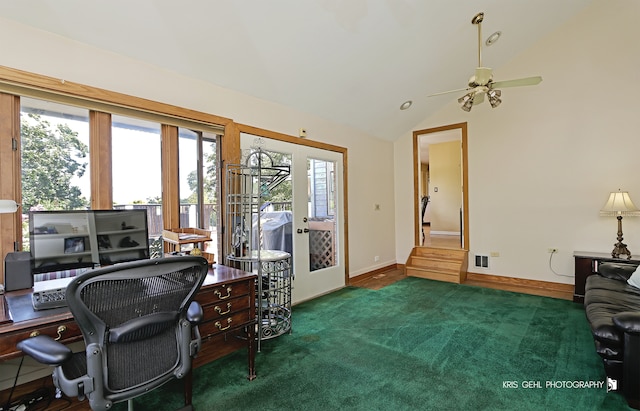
point(227, 298)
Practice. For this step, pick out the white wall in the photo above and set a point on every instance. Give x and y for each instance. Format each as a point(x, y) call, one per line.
point(370, 160)
point(542, 164)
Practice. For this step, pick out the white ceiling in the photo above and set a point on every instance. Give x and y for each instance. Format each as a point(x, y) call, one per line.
point(349, 61)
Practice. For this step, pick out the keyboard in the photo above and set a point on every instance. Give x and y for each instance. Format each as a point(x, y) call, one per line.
point(46, 299)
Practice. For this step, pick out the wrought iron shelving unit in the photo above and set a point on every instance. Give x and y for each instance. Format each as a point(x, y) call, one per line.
point(246, 186)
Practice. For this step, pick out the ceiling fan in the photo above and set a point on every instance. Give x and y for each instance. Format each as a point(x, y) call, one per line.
point(482, 83)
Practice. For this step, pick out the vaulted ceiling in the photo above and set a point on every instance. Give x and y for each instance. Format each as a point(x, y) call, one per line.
point(353, 62)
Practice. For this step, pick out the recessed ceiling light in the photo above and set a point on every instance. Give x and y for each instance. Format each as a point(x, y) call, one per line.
point(493, 38)
point(406, 105)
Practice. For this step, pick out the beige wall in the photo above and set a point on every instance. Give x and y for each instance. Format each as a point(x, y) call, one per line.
point(542, 164)
point(446, 178)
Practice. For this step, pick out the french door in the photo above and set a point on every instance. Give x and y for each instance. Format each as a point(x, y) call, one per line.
point(313, 206)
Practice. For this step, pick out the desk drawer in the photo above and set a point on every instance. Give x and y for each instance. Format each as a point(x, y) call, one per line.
point(223, 292)
point(222, 309)
point(71, 333)
point(225, 323)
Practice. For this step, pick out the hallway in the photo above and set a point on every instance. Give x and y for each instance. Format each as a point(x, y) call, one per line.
point(443, 241)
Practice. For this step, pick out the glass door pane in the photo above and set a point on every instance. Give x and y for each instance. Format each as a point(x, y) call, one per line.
point(322, 212)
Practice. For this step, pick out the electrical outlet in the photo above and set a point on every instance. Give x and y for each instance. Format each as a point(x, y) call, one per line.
point(552, 250)
point(376, 258)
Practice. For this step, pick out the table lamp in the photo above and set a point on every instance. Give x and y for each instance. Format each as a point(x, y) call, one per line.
point(619, 204)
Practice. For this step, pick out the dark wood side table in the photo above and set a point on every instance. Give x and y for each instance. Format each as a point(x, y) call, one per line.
point(586, 264)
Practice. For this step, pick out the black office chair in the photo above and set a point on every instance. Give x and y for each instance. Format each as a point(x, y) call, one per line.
point(138, 321)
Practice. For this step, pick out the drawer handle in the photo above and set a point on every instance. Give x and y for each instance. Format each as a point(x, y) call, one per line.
point(219, 310)
point(219, 294)
point(61, 329)
point(220, 327)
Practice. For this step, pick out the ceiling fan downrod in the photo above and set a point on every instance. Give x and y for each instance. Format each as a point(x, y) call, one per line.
point(477, 20)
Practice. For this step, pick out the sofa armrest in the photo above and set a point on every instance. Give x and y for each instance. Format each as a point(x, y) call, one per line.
point(628, 321)
point(617, 271)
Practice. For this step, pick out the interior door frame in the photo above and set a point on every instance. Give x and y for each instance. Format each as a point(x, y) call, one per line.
point(258, 132)
point(462, 127)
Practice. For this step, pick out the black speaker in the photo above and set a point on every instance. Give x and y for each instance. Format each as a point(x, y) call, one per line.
point(17, 271)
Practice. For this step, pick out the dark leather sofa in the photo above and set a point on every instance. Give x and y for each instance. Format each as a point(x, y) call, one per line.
point(613, 310)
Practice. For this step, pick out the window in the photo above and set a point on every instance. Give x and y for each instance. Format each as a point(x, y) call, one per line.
point(198, 182)
point(137, 171)
point(54, 147)
point(104, 175)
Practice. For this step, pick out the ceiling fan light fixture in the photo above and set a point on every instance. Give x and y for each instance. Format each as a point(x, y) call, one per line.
point(494, 93)
point(494, 101)
point(468, 104)
point(464, 99)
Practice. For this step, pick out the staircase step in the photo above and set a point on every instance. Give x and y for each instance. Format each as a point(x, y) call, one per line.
point(441, 253)
point(433, 275)
point(435, 264)
point(440, 264)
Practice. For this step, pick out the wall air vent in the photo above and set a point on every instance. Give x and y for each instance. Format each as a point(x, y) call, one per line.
point(482, 261)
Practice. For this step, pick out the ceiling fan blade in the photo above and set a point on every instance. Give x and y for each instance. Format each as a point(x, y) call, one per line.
point(527, 81)
point(450, 91)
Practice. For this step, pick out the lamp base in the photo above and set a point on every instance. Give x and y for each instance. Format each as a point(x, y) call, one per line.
point(620, 249)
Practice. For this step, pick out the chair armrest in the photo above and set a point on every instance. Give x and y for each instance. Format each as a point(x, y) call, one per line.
point(195, 313)
point(628, 321)
point(45, 350)
point(195, 316)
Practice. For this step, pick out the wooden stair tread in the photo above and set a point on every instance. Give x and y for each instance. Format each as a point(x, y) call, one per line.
point(442, 264)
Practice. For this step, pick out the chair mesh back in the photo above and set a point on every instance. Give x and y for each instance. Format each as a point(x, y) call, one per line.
point(113, 299)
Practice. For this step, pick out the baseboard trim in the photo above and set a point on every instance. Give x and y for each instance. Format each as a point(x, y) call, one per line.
point(521, 285)
point(369, 274)
point(445, 232)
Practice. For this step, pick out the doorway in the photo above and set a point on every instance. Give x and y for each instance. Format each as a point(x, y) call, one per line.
point(440, 187)
point(313, 209)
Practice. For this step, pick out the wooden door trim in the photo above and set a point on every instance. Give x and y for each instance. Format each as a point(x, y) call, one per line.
point(465, 179)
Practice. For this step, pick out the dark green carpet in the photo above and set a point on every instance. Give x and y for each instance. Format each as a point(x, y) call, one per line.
point(414, 345)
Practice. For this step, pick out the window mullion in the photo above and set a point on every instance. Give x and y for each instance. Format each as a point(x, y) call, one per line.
point(10, 227)
point(100, 155)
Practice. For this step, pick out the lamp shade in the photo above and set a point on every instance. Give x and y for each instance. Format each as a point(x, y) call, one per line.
point(8, 206)
point(619, 204)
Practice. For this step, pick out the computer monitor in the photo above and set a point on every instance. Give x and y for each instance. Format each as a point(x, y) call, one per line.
point(68, 240)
